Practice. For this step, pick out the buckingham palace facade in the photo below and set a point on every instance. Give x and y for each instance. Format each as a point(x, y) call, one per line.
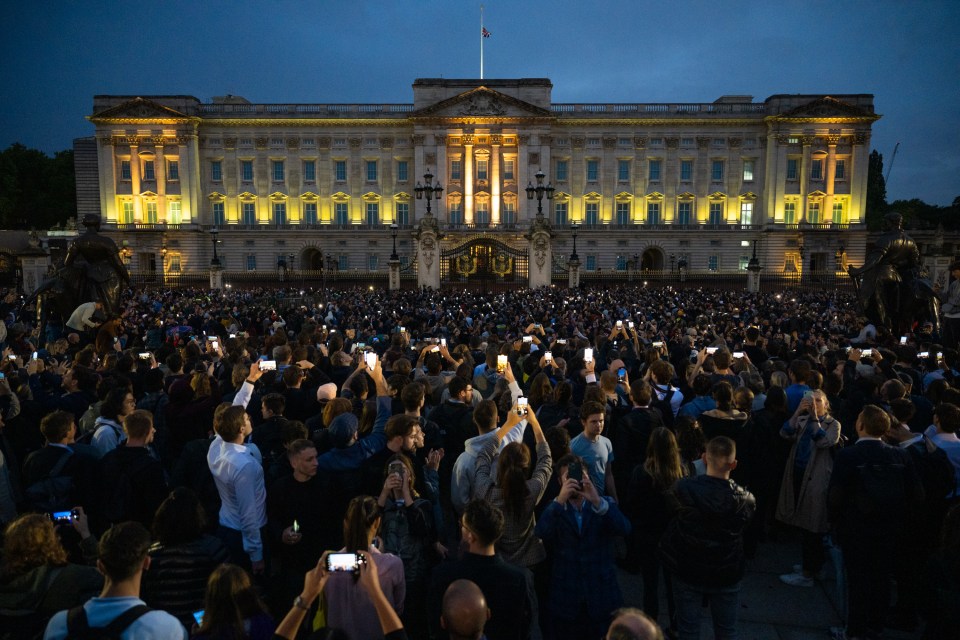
point(480, 181)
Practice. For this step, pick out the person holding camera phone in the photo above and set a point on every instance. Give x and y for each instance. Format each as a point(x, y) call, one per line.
point(803, 493)
point(579, 527)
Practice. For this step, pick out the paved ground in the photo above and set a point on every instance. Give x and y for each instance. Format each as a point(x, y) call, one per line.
point(770, 609)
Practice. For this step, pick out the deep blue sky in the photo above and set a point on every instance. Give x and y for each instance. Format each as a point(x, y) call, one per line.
point(55, 55)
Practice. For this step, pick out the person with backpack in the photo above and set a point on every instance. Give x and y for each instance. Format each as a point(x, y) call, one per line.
point(60, 475)
point(118, 612)
point(873, 492)
point(666, 397)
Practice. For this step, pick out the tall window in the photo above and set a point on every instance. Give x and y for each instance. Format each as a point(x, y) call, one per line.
point(746, 213)
point(840, 170)
point(813, 212)
point(560, 213)
point(219, 219)
point(340, 213)
point(151, 212)
point(748, 170)
point(623, 213)
point(483, 169)
point(148, 173)
point(310, 170)
point(591, 263)
point(173, 170)
point(310, 212)
point(654, 173)
point(456, 213)
point(371, 170)
point(792, 168)
point(653, 213)
point(561, 170)
point(839, 214)
point(127, 212)
point(684, 212)
point(249, 212)
point(790, 213)
point(623, 170)
point(716, 170)
point(125, 170)
point(816, 170)
point(686, 170)
point(716, 213)
point(340, 170)
point(343, 262)
point(251, 262)
point(508, 213)
point(373, 213)
point(592, 213)
point(713, 263)
point(508, 169)
point(743, 262)
point(173, 212)
point(175, 265)
point(373, 262)
point(456, 169)
point(621, 263)
point(593, 170)
point(280, 213)
point(246, 170)
point(278, 170)
point(216, 170)
point(482, 215)
point(403, 213)
point(402, 170)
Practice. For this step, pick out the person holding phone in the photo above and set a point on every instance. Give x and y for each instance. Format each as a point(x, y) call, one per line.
point(806, 478)
point(580, 526)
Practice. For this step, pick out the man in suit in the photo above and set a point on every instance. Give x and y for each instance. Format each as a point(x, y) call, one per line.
point(873, 492)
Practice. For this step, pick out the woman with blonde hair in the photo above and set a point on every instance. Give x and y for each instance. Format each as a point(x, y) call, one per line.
point(806, 478)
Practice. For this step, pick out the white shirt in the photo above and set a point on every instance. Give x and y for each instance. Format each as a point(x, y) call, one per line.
point(80, 318)
point(239, 479)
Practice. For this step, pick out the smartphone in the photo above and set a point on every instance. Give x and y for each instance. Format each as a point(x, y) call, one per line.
point(621, 375)
point(145, 355)
point(12, 357)
point(360, 346)
point(807, 395)
point(396, 468)
point(588, 355)
point(2, 377)
point(657, 345)
point(434, 349)
point(528, 338)
point(296, 527)
point(711, 350)
point(923, 354)
point(403, 329)
point(501, 364)
point(575, 472)
point(268, 365)
point(548, 357)
point(561, 341)
point(630, 324)
point(867, 352)
point(522, 404)
point(214, 344)
point(619, 324)
point(903, 340)
point(344, 562)
point(233, 335)
point(443, 342)
point(848, 349)
point(60, 517)
point(198, 617)
point(371, 360)
point(939, 355)
point(738, 354)
point(34, 355)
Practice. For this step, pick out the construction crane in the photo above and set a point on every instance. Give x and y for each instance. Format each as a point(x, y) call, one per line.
point(886, 178)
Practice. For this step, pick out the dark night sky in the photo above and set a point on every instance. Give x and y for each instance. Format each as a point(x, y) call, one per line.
point(55, 55)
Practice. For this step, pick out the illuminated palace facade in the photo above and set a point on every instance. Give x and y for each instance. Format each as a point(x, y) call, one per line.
point(631, 188)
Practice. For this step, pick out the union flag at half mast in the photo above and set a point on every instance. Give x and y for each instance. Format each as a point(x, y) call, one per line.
point(484, 32)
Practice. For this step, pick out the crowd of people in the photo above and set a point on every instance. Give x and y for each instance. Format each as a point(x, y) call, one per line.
point(451, 464)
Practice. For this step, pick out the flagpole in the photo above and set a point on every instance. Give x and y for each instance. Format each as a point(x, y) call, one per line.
point(481, 42)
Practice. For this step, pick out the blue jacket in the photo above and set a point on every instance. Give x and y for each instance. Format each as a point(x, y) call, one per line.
point(352, 457)
point(584, 571)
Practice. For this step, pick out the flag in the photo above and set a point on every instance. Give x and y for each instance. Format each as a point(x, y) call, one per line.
point(484, 32)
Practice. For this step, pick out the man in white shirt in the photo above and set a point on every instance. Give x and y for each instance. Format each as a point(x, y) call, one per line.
point(239, 479)
point(82, 319)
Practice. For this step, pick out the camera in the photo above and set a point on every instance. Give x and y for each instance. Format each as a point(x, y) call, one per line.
point(344, 562)
point(61, 517)
point(268, 365)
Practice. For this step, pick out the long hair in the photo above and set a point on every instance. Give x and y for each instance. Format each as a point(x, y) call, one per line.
point(512, 468)
point(30, 542)
point(230, 599)
point(362, 513)
point(663, 458)
point(540, 390)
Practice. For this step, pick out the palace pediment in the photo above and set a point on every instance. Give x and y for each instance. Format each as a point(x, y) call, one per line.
point(826, 107)
point(139, 109)
point(482, 102)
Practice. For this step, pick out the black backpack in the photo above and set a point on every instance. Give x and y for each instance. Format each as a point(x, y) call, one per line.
point(78, 627)
point(53, 493)
point(665, 406)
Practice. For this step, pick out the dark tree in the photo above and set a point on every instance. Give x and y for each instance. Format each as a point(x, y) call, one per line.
point(876, 191)
point(36, 191)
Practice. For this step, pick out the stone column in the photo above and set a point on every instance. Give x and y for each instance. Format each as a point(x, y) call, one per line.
point(468, 179)
point(394, 275)
point(573, 274)
point(523, 213)
point(832, 141)
point(701, 181)
point(216, 276)
point(495, 188)
point(160, 173)
point(858, 177)
point(805, 176)
point(135, 183)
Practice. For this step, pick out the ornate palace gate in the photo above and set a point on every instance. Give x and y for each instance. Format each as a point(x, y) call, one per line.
point(485, 264)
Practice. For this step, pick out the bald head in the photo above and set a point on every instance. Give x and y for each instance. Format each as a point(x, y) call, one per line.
point(464, 611)
point(633, 624)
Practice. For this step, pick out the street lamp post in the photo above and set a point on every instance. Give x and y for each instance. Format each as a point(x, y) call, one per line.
point(574, 228)
point(215, 261)
point(539, 191)
point(429, 189)
point(393, 232)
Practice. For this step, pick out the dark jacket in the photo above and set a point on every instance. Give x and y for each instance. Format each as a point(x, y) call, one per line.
point(629, 437)
point(132, 486)
point(177, 579)
point(27, 602)
point(703, 545)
